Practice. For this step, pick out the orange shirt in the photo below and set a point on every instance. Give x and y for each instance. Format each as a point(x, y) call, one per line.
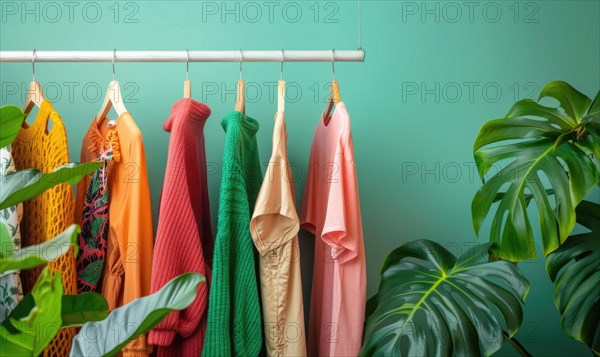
point(331, 211)
point(128, 264)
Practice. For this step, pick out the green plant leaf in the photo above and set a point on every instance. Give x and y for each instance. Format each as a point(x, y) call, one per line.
point(76, 309)
point(592, 119)
point(81, 308)
point(29, 335)
point(574, 103)
point(6, 243)
point(43, 253)
point(542, 154)
point(575, 269)
point(23, 185)
point(141, 314)
point(431, 303)
point(11, 119)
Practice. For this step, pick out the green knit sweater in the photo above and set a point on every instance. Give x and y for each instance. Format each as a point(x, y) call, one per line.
point(234, 320)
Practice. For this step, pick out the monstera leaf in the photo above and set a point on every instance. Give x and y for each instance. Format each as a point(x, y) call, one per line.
point(577, 290)
point(431, 303)
point(11, 119)
point(540, 152)
point(592, 119)
point(135, 318)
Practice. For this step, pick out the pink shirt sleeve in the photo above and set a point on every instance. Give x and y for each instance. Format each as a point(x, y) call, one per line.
point(341, 205)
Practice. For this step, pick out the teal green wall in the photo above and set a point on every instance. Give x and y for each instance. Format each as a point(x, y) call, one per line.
point(414, 115)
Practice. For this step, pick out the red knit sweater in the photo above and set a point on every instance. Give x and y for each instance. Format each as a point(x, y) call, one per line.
point(184, 240)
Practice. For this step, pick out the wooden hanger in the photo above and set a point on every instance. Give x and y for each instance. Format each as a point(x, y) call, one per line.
point(112, 99)
point(187, 88)
point(281, 96)
point(334, 97)
point(35, 97)
point(240, 100)
point(187, 84)
point(334, 91)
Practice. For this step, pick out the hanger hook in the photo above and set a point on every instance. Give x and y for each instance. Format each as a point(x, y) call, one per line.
point(241, 61)
point(113, 62)
point(333, 62)
point(187, 65)
point(33, 64)
point(281, 68)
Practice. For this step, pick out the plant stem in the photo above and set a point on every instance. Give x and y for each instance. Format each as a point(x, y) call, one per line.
point(517, 345)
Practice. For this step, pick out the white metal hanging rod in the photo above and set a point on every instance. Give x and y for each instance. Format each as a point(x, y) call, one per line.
point(182, 56)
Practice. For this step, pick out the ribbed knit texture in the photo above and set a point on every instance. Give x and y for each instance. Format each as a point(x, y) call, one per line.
point(184, 241)
point(50, 213)
point(234, 322)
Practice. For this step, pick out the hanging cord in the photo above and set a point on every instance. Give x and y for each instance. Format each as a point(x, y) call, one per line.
point(359, 28)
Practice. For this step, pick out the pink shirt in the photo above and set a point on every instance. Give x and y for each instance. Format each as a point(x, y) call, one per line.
point(331, 211)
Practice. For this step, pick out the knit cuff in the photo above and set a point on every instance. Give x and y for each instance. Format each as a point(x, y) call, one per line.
point(161, 337)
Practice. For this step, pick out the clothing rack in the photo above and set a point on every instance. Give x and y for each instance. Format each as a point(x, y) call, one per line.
point(183, 56)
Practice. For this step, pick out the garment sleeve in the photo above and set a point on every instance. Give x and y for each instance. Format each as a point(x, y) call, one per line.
point(178, 250)
point(337, 229)
point(136, 244)
point(275, 221)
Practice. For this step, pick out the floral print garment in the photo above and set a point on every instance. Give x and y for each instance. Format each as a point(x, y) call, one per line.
point(94, 230)
point(11, 291)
